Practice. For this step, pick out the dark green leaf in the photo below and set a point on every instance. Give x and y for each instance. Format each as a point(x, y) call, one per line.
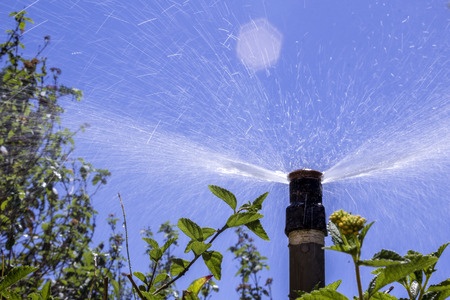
point(323, 294)
point(442, 289)
point(45, 291)
point(225, 195)
point(178, 266)
point(239, 219)
point(257, 228)
point(14, 275)
point(199, 247)
point(259, 201)
point(395, 272)
point(213, 261)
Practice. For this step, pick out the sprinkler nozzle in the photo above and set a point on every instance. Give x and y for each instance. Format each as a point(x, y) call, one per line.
point(305, 194)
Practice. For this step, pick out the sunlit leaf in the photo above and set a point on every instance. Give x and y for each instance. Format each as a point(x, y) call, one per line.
point(323, 294)
point(395, 272)
point(207, 232)
point(239, 219)
point(443, 288)
point(197, 284)
point(191, 229)
point(227, 196)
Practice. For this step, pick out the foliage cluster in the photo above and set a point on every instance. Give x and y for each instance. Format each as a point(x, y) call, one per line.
point(412, 271)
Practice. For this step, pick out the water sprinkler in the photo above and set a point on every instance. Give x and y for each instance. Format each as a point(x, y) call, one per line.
point(306, 230)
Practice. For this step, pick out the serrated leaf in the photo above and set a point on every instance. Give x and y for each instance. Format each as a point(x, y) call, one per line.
point(213, 260)
point(259, 201)
point(197, 284)
point(167, 244)
point(156, 254)
point(14, 275)
point(334, 285)
point(363, 232)
point(257, 228)
point(239, 219)
point(191, 229)
point(199, 247)
point(387, 254)
point(323, 294)
point(382, 296)
point(442, 289)
point(400, 270)
point(178, 266)
point(227, 196)
point(151, 242)
point(441, 249)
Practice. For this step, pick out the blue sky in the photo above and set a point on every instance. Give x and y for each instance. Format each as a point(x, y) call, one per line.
point(359, 90)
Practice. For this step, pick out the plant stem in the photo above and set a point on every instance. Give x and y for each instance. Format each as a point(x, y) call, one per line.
point(358, 281)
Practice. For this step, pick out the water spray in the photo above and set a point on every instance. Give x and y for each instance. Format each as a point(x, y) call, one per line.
point(306, 230)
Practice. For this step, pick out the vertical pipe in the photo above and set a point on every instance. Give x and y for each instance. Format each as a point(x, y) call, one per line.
point(306, 230)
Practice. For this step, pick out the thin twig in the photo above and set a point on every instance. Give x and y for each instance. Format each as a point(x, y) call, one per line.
point(126, 233)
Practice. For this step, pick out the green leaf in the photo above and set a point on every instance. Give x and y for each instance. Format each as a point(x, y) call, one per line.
point(323, 294)
point(178, 266)
point(191, 229)
point(140, 276)
point(14, 275)
point(257, 229)
point(213, 261)
point(151, 242)
point(441, 249)
point(197, 284)
point(395, 272)
point(443, 288)
point(239, 219)
point(45, 291)
point(199, 247)
point(382, 296)
point(156, 254)
point(227, 196)
point(382, 259)
point(363, 232)
point(259, 201)
point(334, 285)
point(167, 244)
point(207, 232)
point(160, 277)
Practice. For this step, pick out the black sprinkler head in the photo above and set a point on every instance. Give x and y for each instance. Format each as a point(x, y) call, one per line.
point(305, 194)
